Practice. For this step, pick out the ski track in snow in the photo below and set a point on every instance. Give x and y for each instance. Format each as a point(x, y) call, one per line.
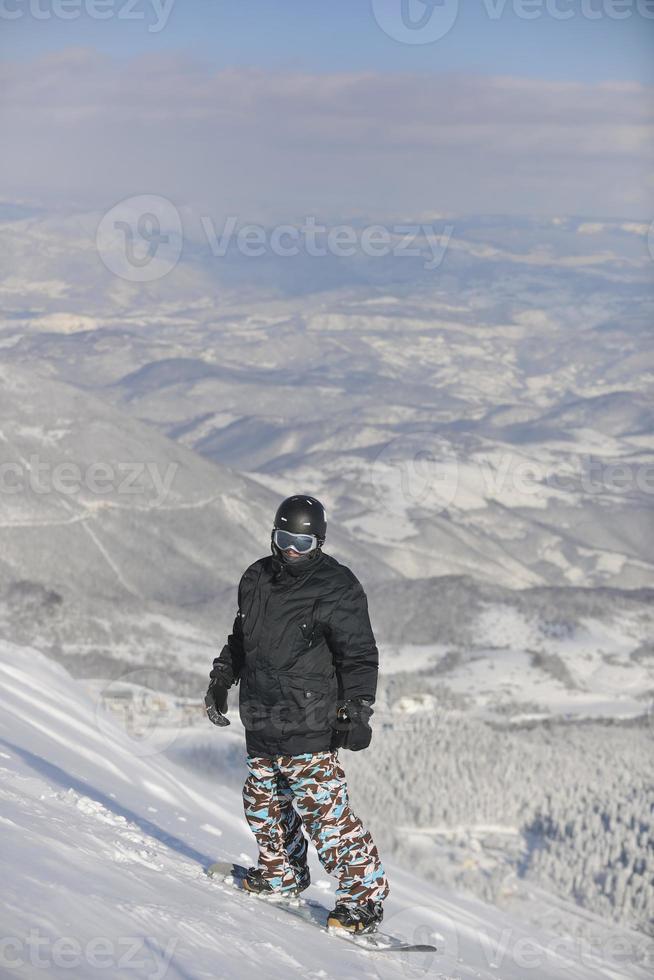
point(92, 508)
point(110, 561)
point(102, 840)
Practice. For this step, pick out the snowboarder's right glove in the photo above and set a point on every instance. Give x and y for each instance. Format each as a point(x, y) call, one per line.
point(353, 719)
point(222, 674)
point(216, 697)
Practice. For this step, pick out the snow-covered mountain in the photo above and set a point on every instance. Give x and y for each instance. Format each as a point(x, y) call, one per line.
point(105, 841)
point(490, 417)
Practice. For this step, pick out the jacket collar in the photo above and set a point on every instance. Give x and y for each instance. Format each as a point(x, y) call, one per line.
point(287, 572)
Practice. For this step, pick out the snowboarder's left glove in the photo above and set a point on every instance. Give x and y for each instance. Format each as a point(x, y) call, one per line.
point(353, 719)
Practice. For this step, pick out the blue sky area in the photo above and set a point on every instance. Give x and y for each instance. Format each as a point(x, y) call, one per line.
point(344, 35)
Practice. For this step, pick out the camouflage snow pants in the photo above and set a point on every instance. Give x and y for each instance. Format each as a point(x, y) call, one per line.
point(282, 795)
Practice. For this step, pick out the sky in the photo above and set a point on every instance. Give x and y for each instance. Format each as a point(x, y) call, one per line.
point(583, 40)
point(279, 109)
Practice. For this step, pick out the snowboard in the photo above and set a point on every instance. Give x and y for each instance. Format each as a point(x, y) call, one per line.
point(316, 914)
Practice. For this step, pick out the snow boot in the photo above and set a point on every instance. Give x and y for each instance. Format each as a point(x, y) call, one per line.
point(256, 883)
point(356, 918)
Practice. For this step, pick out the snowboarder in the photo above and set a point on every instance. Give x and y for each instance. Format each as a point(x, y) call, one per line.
point(304, 654)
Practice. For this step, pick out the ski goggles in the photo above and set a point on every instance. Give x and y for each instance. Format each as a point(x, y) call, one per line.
point(298, 542)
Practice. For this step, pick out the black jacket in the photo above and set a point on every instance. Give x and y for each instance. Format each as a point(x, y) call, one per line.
point(301, 644)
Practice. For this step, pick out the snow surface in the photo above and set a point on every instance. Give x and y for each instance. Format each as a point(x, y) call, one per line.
point(105, 842)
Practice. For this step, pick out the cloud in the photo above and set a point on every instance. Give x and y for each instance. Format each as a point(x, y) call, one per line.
point(84, 126)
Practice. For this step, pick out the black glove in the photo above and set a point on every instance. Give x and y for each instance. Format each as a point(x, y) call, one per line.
point(215, 700)
point(222, 674)
point(352, 724)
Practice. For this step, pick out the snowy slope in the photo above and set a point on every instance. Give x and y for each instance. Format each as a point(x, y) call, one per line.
point(105, 841)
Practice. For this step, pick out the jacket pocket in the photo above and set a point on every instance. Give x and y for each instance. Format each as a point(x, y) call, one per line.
point(309, 702)
point(305, 690)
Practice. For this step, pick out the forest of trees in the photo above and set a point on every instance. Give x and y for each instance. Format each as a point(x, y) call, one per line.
point(580, 793)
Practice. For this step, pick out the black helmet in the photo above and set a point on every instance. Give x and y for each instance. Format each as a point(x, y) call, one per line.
point(302, 515)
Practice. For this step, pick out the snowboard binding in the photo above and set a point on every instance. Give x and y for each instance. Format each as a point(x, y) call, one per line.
point(360, 919)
